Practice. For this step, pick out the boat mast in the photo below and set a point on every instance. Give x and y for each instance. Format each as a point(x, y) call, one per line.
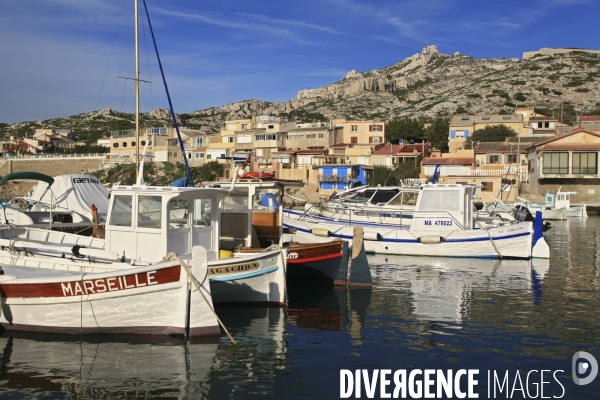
point(137, 92)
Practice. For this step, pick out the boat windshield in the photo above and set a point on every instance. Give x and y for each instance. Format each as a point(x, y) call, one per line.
point(441, 200)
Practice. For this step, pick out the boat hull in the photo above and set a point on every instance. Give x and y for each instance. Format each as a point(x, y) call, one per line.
point(254, 279)
point(140, 300)
point(513, 241)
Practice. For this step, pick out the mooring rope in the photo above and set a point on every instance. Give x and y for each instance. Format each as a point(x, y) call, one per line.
point(173, 256)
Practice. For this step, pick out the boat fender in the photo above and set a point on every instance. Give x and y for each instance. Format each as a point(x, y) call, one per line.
point(75, 251)
point(320, 232)
point(431, 239)
point(373, 236)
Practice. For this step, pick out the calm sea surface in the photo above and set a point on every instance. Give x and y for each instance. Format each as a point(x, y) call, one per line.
point(508, 317)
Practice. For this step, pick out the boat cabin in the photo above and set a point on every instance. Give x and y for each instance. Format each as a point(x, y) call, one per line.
point(444, 207)
point(253, 215)
point(559, 200)
point(146, 222)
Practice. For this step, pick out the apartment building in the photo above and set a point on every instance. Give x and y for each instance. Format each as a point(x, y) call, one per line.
point(569, 161)
point(354, 132)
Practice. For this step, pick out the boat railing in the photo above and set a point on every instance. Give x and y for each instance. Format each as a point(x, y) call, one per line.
point(344, 212)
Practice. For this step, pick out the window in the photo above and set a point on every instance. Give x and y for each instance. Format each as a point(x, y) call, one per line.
point(296, 137)
point(199, 155)
point(121, 211)
point(244, 139)
point(314, 136)
point(485, 118)
point(506, 117)
point(487, 186)
point(244, 126)
point(143, 143)
point(460, 134)
point(556, 163)
point(493, 159)
point(149, 212)
point(231, 127)
point(158, 131)
point(585, 163)
point(376, 128)
point(209, 156)
point(511, 158)
point(202, 212)
point(354, 139)
point(178, 213)
point(124, 144)
point(228, 139)
point(189, 155)
point(116, 145)
point(270, 126)
point(132, 144)
point(266, 137)
point(375, 139)
point(353, 128)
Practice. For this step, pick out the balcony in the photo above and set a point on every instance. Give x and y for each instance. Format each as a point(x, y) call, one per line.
point(334, 178)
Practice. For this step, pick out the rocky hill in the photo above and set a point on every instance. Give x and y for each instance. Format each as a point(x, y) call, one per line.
point(428, 84)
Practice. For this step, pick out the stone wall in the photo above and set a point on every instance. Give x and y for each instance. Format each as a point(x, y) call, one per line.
point(588, 192)
point(52, 166)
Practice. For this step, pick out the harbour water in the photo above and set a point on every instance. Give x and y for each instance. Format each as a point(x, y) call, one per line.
point(507, 317)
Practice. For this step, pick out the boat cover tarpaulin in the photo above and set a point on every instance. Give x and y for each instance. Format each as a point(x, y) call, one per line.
point(28, 175)
point(75, 192)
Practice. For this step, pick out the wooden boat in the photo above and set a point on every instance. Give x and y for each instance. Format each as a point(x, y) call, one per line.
point(442, 225)
point(141, 230)
point(556, 206)
point(253, 221)
point(314, 263)
point(148, 299)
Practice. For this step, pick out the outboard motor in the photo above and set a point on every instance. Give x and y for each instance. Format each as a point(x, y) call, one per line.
point(522, 214)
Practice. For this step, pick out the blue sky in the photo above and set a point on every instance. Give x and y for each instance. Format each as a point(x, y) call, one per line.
point(63, 57)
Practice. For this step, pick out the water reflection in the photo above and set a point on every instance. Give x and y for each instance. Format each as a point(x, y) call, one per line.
point(104, 367)
point(421, 313)
point(442, 289)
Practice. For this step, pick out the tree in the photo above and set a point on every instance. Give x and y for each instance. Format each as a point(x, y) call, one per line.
point(495, 133)
point(404, 128)
point(437, 134)
point(208, 171)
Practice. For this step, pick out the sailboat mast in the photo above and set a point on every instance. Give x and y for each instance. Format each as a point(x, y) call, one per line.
point(137, 92)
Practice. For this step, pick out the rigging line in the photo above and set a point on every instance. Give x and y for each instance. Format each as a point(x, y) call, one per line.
point(123, 99)
point(183, 153)
point(110, 55)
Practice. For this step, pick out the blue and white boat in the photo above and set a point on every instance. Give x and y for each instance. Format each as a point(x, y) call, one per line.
point(442, 224)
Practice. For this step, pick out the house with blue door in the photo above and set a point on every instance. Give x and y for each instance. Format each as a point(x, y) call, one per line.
point(337, 177)
point(463, 126)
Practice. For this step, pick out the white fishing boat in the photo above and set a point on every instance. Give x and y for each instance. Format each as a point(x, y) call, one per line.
point(252, 221)
point(442, 225)
point(141, 231)
point(556, 206)
point(153, 298)
point(386, 206)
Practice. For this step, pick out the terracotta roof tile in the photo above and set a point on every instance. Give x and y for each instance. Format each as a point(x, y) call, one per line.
point(448, 160)
point(572, 146)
